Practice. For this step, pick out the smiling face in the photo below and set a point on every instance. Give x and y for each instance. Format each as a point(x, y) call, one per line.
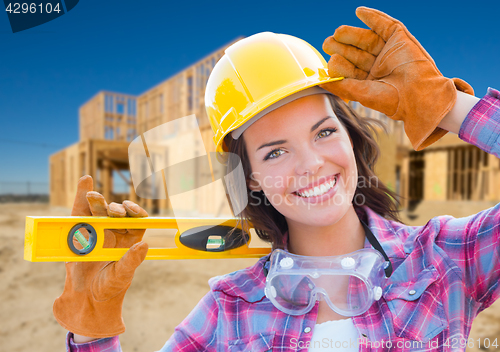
point(301, 157)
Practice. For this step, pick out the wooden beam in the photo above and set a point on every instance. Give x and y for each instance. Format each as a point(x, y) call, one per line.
point(451, 171)
point(460, 172)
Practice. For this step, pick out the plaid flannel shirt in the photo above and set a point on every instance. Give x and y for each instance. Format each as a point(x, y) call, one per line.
point(445, 273)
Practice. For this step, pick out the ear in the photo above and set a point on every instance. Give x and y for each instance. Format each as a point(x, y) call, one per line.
point(254, 184)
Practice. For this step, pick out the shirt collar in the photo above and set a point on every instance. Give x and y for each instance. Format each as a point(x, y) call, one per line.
point(247, 284)
point(385, 231)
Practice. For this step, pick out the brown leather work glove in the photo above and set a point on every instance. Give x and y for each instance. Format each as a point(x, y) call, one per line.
point(386, 69)
point(91, 303)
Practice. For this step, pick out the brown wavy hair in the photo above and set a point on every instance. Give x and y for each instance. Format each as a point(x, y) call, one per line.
point(270, 225)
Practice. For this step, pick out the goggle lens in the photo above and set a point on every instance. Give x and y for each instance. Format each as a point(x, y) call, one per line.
point(296, 294)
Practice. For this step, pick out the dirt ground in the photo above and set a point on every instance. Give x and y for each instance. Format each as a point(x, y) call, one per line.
point(161, 295)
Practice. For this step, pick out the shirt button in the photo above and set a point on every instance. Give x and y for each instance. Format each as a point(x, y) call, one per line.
point(308, 329)
point(412, 292)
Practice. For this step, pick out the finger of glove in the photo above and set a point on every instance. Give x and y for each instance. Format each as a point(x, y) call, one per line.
point(381, 23)
point(338, 66)
point(116, 210)
point(463, 86)
point(126, 238)
point(81, 206)
point(360, 58)
point(133, 235)
point(117, 276)
point(386, 26)
point(110, 239)
point(98, 205)
point(362, 38)
point(133, 210)
point(375, 95)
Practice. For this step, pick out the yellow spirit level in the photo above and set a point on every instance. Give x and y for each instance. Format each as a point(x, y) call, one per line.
point(60, 239)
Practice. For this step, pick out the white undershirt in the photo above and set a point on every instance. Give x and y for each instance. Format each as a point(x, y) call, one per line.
point(335, 335)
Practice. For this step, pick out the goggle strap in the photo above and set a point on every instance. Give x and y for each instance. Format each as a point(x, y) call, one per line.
point(375, 243)
point(371, 238)
point(267, 264)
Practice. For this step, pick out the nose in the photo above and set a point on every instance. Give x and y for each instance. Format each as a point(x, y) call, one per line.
point(309, 162)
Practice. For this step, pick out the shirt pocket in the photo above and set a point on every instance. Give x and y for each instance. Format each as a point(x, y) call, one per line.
point(416, 306)
point(257, 343)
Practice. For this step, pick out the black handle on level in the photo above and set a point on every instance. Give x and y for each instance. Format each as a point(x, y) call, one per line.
point(198, 238)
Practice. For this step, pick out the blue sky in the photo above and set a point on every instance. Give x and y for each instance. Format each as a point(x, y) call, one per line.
point(47, 72)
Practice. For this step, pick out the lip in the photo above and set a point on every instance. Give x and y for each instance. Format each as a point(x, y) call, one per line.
point(321, 198)
point(317, 183)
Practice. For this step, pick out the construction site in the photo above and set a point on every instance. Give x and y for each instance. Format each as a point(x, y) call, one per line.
point(449, 177)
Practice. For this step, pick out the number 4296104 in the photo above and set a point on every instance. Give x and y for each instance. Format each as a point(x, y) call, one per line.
point(470, 342)
point(32, 8)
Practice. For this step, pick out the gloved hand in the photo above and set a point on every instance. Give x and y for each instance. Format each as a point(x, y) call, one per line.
point(386, 69)
point(91, 303)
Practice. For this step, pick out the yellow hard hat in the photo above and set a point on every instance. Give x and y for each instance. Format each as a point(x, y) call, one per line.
point(255, 73)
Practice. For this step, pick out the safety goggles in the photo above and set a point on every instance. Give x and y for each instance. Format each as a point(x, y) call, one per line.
point(349, 283)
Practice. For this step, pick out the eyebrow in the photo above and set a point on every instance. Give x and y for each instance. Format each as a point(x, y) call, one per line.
point(315, 126)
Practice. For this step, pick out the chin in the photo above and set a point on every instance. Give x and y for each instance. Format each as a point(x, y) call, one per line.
point(320, 218)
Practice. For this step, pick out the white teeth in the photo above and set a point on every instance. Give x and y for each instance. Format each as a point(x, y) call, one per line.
point(318, 190)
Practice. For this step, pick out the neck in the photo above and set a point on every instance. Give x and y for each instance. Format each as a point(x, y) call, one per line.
point(345, 236)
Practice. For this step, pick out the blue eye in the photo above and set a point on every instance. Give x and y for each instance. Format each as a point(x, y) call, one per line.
point(273, 154)
point(325, 132)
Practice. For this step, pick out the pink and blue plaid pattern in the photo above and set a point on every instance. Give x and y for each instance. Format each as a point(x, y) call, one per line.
point(111, 344)
point(445, 273)
point(482, 125)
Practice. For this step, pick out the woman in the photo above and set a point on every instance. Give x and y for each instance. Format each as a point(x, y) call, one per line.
point(303, 153)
